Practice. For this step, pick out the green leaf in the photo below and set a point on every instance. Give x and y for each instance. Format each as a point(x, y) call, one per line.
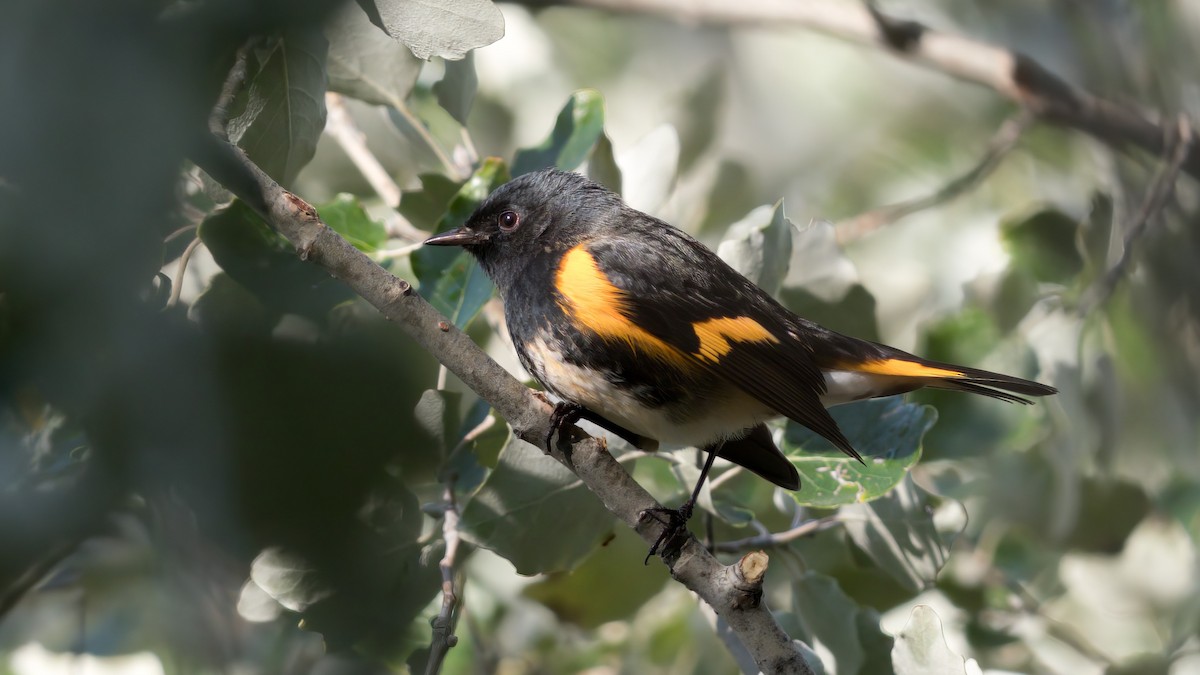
point(437, 415)
point(536, 513)
point(921, 647)
point(602, 167)
point(456, 90)
point(887, 432)
point(819, 266)
point(348, 218)
point(897, 532)
point(425, 207)
point(449, 278)
point(365, 63)
point(606, 587)
point(281, 114)
point(1044, 245)
point(850, 633)
point(760, 246)
point(576, 131)
point(649, 169)
point(266, 264)
point(445, 28)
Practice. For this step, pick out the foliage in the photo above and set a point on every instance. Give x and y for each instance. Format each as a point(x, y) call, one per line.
point(255, 473)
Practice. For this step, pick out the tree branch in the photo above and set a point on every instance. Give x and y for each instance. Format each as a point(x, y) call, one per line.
point(1015, 76)
point(1182, 145)
point(528, 416)
point(1002, 143)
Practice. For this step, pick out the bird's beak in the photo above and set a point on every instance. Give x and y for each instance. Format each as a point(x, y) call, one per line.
point(461, 236)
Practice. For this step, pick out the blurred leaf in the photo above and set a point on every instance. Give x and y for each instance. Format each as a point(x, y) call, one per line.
point(348, 218)
point(834, 620)
point(576, 131)
point(921, 648)
point(445, 28)
point(886, 432)
point(266, 264)
point(698, 127)
point(456, 90)
point(853, 314)
point(536, 513)
point(649, 168)
point(227, 308)
point(606, 587)
point(819, 266)
point(760, 246)
point(449, 277)
point(437, 415)
point(366, 64)
point(1044, 245)
point(897, 532)
point(1095, 235)
point(281, 114)
point(425, 207)
point(602, 166)
point(732, 195)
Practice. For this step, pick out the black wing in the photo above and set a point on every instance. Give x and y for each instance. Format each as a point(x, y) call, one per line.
point(698, 304)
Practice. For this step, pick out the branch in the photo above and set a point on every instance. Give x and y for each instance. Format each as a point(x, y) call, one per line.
point(771, 539)
point(443, 624)
point(1156, 198)
point(340, 125)
point(1002, 143)
point(1014, 76)
point(528, 416)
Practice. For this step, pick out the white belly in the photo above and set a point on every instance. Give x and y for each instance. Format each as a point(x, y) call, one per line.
point(719, 419)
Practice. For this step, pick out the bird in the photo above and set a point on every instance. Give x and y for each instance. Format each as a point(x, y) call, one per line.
point(638, 327)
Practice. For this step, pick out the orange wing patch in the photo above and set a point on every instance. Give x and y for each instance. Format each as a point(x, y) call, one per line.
point(899, 368)
point(715, 335)
point(595, 303)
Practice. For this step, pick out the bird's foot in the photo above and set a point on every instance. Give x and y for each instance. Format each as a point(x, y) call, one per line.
point(674, 523)
point(565, 414)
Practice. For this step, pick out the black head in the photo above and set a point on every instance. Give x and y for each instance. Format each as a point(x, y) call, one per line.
point(534, 214)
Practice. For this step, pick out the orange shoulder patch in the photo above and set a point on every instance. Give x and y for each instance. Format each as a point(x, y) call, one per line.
point(590, 299)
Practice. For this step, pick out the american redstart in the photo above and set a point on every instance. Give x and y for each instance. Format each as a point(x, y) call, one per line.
point(643, 330)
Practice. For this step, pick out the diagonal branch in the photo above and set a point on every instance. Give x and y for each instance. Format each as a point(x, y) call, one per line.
point(1002, 143)
point(1013, 75)
point(739, 604)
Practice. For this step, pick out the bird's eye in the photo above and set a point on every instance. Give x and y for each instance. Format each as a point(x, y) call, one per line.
point(508, 221)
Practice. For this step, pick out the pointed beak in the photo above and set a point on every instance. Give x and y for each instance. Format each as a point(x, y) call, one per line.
point(456, 237)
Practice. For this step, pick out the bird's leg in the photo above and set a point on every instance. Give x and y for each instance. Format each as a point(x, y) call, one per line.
point(567, 413)
point(676, 519)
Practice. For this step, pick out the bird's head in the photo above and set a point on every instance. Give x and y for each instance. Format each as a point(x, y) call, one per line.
point(539, 213)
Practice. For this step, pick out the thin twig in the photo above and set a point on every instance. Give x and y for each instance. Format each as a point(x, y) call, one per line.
point(1002, 143)
point(427, 138)
point(177, 286)
point(778, 538)
point(1010, 74)
point(443, 624)
point(340, 125)
point(218, 120)
point(1160, 191)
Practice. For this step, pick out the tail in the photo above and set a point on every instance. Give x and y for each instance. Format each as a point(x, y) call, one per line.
point(757, 451)
point(855, 369)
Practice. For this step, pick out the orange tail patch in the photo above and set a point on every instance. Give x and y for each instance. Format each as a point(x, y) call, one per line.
point(900, 368)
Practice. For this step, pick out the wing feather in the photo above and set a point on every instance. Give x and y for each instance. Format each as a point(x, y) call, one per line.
point(757, 348)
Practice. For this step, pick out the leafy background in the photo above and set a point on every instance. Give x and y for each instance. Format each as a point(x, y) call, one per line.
point(233, 465)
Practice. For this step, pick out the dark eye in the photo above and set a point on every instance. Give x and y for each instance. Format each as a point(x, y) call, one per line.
point(508, 221)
